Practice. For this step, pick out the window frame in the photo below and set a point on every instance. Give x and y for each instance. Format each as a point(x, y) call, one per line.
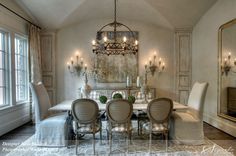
point(25, 37)
point(7, 69)
point(11, 78)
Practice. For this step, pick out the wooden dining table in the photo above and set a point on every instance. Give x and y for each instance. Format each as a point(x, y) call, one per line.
point(66, 106)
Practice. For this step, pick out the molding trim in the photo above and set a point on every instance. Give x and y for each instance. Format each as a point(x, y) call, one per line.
point(220, 124)
point(14, 124)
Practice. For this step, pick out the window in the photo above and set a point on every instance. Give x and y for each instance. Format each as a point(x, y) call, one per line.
point(4, 69)
point(21, 69)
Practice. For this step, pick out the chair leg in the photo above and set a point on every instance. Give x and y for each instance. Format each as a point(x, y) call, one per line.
point(138, 126)
point(76, 144)
point(167, 144)
point(127, 142)
point(94, 143)
point(110, 142)
point(100, 136)
point(150, 142)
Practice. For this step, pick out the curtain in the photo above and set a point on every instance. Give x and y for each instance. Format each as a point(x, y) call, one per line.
point(34, 60)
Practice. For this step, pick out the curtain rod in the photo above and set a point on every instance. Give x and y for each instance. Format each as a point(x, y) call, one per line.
point(19, 15)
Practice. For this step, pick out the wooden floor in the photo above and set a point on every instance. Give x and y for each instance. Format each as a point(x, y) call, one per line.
point(24, 132)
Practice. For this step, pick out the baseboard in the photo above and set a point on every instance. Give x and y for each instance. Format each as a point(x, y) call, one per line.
point(220, 124)
point(4, 128)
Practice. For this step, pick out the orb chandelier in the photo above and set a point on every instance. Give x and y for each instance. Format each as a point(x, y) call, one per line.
point(112, 44)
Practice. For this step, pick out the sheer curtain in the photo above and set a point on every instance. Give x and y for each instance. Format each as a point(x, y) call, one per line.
point(35, 59)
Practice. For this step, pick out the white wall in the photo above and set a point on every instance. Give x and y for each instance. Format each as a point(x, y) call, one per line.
point(79, 37)
point(205, 45)
point(16, 115)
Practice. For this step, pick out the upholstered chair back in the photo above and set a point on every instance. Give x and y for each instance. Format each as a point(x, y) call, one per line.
point(119, 111)
point(197, 98)
point(84, 111)
point(41, 101)
point(159, 110)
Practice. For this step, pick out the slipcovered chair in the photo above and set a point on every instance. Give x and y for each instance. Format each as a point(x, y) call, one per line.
point(86, 116)
point(119, 114)
point(50, 130)
point(187, 127)
point(159, 112)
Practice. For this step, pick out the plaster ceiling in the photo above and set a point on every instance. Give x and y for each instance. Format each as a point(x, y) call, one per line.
point(55, 14)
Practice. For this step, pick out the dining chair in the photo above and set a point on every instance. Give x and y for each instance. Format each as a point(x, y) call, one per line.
point(86, 115)
point(119, 113)
point(50, 130)
point(187, 127)
point(159, 112)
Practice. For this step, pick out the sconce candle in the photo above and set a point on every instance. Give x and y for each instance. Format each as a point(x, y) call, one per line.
point(129, 81)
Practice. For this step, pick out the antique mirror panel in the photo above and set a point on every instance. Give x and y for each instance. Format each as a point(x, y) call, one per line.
point(227, 71)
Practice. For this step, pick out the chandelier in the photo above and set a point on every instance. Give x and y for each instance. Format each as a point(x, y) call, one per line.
point(112, 44)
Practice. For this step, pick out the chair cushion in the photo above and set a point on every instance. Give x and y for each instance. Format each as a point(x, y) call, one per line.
point(55, 119)
point(87, 128)
point(184, 116)
point(155, 127)
point(120, 128)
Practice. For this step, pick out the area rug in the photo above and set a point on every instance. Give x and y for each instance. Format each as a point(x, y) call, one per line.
point(139, 146)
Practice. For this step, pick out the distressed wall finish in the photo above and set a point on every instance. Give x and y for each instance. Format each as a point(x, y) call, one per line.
point(79, 37)
point(205, 58)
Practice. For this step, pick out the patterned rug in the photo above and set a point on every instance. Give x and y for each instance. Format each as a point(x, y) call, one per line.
point(138, 147)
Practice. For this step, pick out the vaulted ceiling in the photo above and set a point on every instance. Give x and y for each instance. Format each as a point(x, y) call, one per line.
point(55, 14)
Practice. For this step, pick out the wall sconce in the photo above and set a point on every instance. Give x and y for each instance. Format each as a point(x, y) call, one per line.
point(76, 66)
point(154, 65)
point(227, 65)
point(151, 67)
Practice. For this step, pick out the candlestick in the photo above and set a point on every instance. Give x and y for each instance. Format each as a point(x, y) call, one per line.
point(138, 81)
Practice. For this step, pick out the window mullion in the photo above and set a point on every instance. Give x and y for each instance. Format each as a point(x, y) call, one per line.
point(12, 67)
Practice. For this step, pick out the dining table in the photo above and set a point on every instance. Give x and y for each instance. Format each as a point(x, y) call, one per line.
point(138, 105)
point(65, 106)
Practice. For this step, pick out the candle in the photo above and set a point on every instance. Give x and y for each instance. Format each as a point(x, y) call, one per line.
point(68, 64)
point(128, 81)
point(136, 42)
point(138, 81)
point(155, 54)
point(145, 65)
point(105, 39)
point(85, 66)
point(93, 42)
point(81, 59)
point(160, 61)
point(124, 39)
point(72, 62)
point(150, 60)
point(163, 66)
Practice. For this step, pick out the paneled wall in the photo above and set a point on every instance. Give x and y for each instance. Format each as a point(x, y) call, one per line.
point(48, 55)
point(183, 47)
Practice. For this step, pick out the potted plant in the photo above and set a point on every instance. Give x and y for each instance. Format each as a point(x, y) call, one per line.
point(117, 96)
point(103, 99)
point(131, 99)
